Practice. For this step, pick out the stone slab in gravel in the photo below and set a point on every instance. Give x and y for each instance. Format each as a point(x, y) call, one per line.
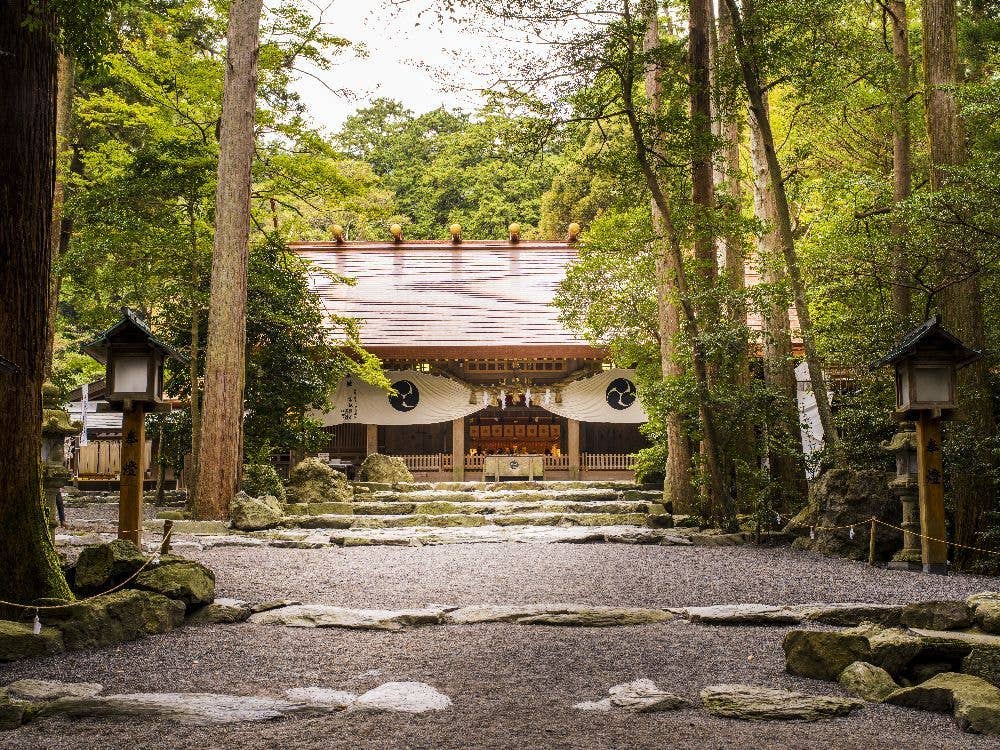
point(186, 708)
point(499, 534)
point(47, 690)
point(223, 611)
point(335, 700)
point(326, 616)
point(409, 697)
point(742, 614)
point(768, 704)
point(643, 696)
point(974, 702)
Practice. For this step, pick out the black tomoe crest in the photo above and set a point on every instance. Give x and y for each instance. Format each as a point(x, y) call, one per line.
point(621, 393)
point(406, 396)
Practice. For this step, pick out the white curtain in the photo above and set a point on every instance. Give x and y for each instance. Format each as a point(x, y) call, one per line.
point(609, 396)
point(421, 398)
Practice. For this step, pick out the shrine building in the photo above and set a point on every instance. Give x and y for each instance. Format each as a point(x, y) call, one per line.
point(480, 364)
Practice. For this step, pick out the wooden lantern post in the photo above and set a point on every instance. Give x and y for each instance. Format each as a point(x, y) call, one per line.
point(134, 376)
point(926, 362)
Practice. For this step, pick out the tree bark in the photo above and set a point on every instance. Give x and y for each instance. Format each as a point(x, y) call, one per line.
point(30, 568)
point(65, 78)
point(901, 164)
point(962, 303)
point(702, 184)
point(678, 489)
point(785, 459)
point(756, 95)
point(220, 460)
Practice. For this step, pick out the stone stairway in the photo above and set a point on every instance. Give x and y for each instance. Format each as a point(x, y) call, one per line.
point(478, 504)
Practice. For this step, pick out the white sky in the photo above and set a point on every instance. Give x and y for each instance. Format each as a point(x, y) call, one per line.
point(408, 54)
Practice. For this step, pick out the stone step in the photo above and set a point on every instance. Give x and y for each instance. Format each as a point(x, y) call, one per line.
point(344, 521)
point(484, 507)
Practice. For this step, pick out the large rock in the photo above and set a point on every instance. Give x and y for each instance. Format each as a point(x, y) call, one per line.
point(116, 617)
point(986, 610)
point(762, 704)
point(937, 615)
point(823, 654)
point(841, 497)
point(974, 702)
point(105, 565)
point(384, 470)
point(248, 513)
point(186, 581)
point(312, 481)
point(643, 696)
point(983, 661)
point(850, 614)
point(868, 682)
point(18, 641)
point(221, 612)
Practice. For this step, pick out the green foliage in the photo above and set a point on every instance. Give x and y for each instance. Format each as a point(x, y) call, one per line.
point(650, 464)
point(262, 479)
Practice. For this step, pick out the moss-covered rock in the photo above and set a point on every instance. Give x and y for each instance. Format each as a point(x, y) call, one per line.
point(248, 513)
point(867, 681)
point(186, 581)
point(937, 615)
point(312, 481)
point(18, 641)
point(986, 610)
point(384, 469)
point(262, 479)
point(105, 565)
point(974, 702)
point(120, 616)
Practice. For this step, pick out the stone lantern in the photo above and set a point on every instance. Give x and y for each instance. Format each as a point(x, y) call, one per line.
point(56, 427)
point(905, 486)
point(926, 362)
point(134, 361)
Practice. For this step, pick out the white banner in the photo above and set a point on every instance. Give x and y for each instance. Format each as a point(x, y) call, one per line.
point(420, 398)
point(609, 396)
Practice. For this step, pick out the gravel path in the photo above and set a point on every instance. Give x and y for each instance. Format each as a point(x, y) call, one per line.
point(513, 686)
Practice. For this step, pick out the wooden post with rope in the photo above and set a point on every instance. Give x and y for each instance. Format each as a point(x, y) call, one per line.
point(132, 472)
point(871, 543)
point(931, 494)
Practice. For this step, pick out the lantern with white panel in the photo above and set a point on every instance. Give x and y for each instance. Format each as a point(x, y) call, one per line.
point(926, 362)
point(134, 360)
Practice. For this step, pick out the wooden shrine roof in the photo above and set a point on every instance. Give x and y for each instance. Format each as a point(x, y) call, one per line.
point(478, 299)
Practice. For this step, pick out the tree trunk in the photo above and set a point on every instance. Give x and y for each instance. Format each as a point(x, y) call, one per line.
point(678, 489)
point(749, 66)
point(702, 184)
point(961, 304)
point(195, 397)
point(901, 164)
point(27, 178)
point(220, 459)
point(785, 459)
point(65, 79)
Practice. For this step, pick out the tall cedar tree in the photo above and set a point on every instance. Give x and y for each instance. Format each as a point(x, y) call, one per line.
point(28, 64)
point(961, 303)
point(221, 448)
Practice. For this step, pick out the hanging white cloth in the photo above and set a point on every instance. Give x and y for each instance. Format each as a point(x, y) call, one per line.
point(420, 398)
point(609, 396)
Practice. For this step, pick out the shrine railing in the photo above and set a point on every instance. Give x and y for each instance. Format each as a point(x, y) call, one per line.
point(426, 462)
point(608, 461)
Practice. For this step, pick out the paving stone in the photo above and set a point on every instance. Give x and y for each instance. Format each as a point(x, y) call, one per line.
point(643, 696)
point(47, 690)
point(409, 697)
point(764, 704)
point(742, 614)
point(326, 616)
point(193, 709)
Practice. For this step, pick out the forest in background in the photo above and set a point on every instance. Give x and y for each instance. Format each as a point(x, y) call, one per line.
point(805, 141)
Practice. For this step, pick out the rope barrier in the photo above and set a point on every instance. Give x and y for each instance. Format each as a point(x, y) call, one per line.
point(36, 608)
point(874, 519)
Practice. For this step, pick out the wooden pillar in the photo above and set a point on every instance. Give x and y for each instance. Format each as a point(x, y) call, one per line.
point(132, 472)
point(934, 554)
point(573, 447)
point(371, 439)
point(458, 449)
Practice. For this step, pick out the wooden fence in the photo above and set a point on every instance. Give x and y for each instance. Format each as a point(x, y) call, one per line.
point(608, 461)
point(103, 459)
point(442, 462)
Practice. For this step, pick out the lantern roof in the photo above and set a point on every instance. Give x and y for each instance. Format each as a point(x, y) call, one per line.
point(931, 336)
point(131, 329)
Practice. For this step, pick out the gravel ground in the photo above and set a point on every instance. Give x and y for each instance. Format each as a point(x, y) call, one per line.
point(513, 686)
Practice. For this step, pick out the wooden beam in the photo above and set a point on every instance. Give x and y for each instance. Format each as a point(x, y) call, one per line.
point(458, 449)
point(371, 439)
point(132, 473)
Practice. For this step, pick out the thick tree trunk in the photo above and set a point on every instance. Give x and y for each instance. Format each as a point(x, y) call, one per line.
point(195, 400)
point(961, 304)
point(750, 67)
point(702, 184)
point(220, 459)
point(30, 568)
point(785, 459)
point(677, 487)
point(65, 79)
point(901, 164)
